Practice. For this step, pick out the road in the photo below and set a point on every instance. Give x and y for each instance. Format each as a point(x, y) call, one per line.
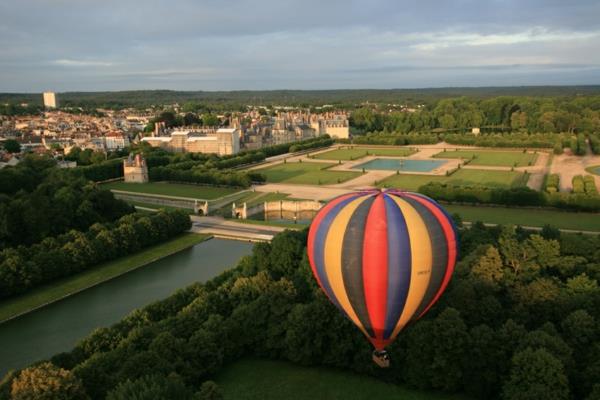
point(220, 227)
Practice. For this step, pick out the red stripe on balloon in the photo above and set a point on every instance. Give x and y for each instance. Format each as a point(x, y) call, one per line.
point(450, 240)
point(314, 227)
point(375, 268)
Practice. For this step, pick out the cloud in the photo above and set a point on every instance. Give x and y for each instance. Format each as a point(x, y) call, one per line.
point(81, 63)
point(302, 44)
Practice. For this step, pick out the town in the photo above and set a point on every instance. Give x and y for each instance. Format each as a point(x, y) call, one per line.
point(103, 131)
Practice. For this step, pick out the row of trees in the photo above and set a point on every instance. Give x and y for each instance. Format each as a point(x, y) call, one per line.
point(383, 138)
point(89, 156)
point(518, 321)
point(40, 200)
point(537, 140)
point(521, 196)
point(25, 267)
point(529, 114)
point(206, 177)
point(584, 184)
point(172, 119)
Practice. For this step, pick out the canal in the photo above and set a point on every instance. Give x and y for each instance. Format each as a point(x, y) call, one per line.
point(59, 326)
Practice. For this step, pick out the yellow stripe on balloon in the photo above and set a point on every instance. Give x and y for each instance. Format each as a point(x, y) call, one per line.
point(333, 258)
point(421, 262)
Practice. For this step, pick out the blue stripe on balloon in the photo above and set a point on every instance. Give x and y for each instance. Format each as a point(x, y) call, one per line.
point(319, 247)
point(399, 265)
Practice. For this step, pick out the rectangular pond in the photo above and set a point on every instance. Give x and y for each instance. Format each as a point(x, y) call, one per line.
point(401, 165)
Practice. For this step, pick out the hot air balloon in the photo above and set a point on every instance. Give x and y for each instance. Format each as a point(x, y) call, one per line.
point(383, 258)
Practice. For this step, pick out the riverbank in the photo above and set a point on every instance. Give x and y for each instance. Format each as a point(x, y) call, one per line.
point(57, 290)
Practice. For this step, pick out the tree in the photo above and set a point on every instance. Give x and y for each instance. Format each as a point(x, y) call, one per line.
point(489, 267)
point(46, 381)
point(536, 374)
point(12, 146)
point(210, 120)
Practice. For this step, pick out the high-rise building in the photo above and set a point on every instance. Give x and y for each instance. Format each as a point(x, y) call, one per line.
point(50, 100)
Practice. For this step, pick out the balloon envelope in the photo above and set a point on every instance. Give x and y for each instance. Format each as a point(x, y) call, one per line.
point(383, 258)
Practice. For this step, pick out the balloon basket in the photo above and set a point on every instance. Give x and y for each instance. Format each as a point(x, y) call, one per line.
point(381, 358)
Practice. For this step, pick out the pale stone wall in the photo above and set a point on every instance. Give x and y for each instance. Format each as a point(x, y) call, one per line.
point(285, 209)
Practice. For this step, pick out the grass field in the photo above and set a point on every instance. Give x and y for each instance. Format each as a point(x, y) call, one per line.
point(306, 173)
point(73, 284)
point(462, 177)
point(595, 169)
point(250, 379)
point(495, 158)
point(528, 217)
point(158, 207)
point(262, 197)
point(172, 189)
point(355, 153)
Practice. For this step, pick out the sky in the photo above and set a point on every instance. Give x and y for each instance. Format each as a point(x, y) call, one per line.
point(85, 45)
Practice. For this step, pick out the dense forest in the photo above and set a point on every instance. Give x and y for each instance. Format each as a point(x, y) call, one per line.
point(504, 113)
point(146, 98)
point(518, 321)
point(25, 267)
point(38, 200)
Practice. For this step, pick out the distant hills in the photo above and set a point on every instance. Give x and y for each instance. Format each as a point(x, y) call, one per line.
point(144, 98)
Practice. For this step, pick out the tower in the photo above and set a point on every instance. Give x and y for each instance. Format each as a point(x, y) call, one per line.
point(50, 100)
point(135, 169)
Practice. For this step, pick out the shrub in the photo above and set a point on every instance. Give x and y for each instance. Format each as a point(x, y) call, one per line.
point(552, 183)
point(578, 185)
point(590, 185)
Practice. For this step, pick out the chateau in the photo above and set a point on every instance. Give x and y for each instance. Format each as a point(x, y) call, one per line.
point(221, 141)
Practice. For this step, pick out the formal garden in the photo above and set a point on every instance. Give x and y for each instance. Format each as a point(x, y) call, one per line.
point(491, 158)
point(461, 177)
point(306, 173)
point(354, 153)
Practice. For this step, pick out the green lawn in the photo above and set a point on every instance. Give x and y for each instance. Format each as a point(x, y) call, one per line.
point(359, 152)
point(172, 189)
point(528, 217)
point(595, 169)
point(262, 197)
point(306, 173)
point(462, 177)
point(496, 158)
point(250, 379)
point(61, 288)
point(158, 207)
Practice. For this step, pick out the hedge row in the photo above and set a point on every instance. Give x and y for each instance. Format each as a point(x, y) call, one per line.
point(538, 140)
point(396, 140)
point(109, 169)
point(521, 196)
point(578, 145)
point(23, 268)
point(207, 177)
point(578, 185)
point(590, 185)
